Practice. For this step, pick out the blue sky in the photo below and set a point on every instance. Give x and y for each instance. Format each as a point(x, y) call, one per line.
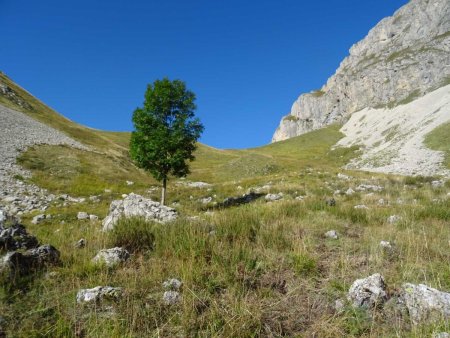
point(247, 61)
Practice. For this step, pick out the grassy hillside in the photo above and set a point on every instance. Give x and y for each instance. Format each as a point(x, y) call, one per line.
point(261, 269)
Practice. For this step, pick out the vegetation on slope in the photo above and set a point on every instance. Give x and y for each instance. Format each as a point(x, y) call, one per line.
point(439, 139)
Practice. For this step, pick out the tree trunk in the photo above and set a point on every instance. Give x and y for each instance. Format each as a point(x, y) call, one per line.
point(163, 192)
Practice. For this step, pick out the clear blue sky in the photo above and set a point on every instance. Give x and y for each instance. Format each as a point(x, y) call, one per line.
point(247, 61)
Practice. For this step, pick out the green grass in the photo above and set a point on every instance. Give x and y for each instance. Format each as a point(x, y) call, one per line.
point(439, 139)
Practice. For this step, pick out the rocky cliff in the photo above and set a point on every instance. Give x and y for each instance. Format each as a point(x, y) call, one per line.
point(402, 58)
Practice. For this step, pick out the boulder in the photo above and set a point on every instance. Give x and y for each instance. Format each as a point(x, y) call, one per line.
point(111, 257)
point(137, 206)
point(425, 304)
point(99, 294)
point(368, 292)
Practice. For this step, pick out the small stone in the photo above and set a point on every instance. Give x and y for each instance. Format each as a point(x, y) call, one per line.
point(273, 197)
point(98, 294)
point(361, 206)
point(331, 202)
point(332, 234)
point(171, 297)
point(111, 257)
point(82, 215)
point(172, 284)
point(93, 218)
point(130, 182)
point(38, 219)
point(441, 335)
point(393, 219)
point(206, 200)
point(350, 192)
point(339, 305)
point(80, 244)
point(381, 201)
point(385, 245)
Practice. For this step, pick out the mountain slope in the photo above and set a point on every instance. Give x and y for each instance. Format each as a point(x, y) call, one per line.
point(402, 58)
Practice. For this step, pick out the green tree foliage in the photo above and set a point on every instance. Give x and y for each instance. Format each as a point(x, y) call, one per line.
point(166, 131)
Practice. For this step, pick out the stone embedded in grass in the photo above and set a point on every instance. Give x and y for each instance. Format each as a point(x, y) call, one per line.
point(381, 201)
point(394, 219)
point(93, 218)
point(99, 294)
point(273, 197)
point(82, 215)
point(38, 219)
point(80, 244)
point(343, 177)
point(386, 245)
point(350, 192)
point(129, 182)
point(111, 257)
point(361, 206)
point(171, 297)
point(332, 234)
point(206, 200)
point(424, 303)
point(368, 292)
point(172, 284)
point(331, 202)
point(137, 206)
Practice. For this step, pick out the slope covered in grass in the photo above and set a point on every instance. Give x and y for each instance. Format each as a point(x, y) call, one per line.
point(439, 139)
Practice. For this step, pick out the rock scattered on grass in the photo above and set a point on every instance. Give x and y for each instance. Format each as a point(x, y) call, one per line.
point(331, 202)
point(136, 205)
point(99, 294)
point(80, 244)
point(172, 284)
point(361, 206)
point(273, 197)
point(393, 219)
point(332, 234)
point(82, 215)
point(111, 257)
point(38, 219)
point(368, 292)
point(171, 297)
point(425, 304)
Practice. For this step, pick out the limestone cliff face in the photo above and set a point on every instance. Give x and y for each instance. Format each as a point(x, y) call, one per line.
point(402, 58)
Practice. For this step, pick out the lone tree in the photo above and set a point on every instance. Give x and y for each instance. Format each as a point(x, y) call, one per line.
point(166, 131)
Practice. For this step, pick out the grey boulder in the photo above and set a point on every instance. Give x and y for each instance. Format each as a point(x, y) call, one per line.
point(111, 257)
point(368, 292)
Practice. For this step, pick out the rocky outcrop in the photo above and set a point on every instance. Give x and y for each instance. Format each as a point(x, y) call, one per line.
point(403, 57)
point(137, 206)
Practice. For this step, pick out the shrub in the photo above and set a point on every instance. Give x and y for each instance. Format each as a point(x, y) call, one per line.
point(133, 234)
